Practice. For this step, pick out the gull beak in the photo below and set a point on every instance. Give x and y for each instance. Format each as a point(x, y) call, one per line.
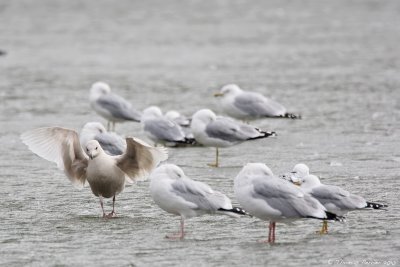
point(218, 94)
point(294, 179)
point(91, 156)
point(297, 183)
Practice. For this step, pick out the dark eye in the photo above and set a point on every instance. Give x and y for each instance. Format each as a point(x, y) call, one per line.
point(96, 147)
point(87, 149)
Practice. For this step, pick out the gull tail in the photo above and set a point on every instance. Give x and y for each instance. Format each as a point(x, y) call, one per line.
point(376, 206)
point(333, 217)
point(187, 141)
point(263, 134)
point(290, 116)
point(234, 212)
point(330, 217)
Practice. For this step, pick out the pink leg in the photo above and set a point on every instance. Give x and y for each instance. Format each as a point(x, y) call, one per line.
point(269, 235)
point(179, 235)
point(273, 232)
point(102, 206)
point(112, 213)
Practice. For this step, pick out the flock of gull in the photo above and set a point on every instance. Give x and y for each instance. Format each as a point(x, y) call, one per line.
point(108, 162)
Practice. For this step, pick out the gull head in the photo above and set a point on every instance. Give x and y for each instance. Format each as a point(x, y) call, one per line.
point(229, 90)
point(152, 112)
point(99, 89)
point(310, 181)
point(300, 171)
point(93, 149)
point(172, 115)
point(170, 171)
point(203, 116)
point(94, 128)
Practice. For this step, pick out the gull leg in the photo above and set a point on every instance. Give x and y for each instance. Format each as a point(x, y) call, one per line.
point(102, 206)
point(273, 232)
point(269, 235)
point(179, 235)
point(216, 159)
point(324, 229)
point(113, 126)
point(108, 125)
point(112, 213)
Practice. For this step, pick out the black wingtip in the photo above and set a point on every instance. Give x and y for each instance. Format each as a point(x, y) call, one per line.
point(236, 210)
point(291, 116)
point(333, 217)
point(264, 134)
point(376, 206)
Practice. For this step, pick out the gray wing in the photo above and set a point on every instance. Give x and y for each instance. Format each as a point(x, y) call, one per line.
point(164, 129)
point(257, 105)
point(119, 107)
point(285, 197)
point(198, 193)
point(339, 197)
point(227, 130)
point(111, 143)
point(61, 146)
point(140, 158)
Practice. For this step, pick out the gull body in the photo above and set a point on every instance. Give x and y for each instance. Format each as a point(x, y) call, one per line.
point(112, 143)
point(162, 130)
point(112, 107)
point(334, 198)
point(216, 131)
point(177, 194)
point(105, 174)
point(267, 197)
point(246, 105)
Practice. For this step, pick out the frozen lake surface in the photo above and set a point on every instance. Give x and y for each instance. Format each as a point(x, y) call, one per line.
point(335, 62)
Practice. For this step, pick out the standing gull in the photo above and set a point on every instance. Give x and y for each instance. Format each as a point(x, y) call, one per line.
point(217, 131)
point(112, 107)
point(267, 197)
point(162, 130)
point(175, 193)
point(105, 174)
point(247, 105)
point(111, 143)
point(334, 198)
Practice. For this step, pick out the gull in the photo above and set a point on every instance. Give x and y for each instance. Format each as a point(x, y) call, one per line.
point(247, 105)
point(268, 197)
point(334, 198)
point(112, 143)
point(105, 174)
point(175, 193)
point(217, 131)
point(112, 107)
point(162, 130)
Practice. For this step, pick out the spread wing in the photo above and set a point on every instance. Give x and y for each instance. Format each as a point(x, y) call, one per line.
point(140, 158)
point(61, 146)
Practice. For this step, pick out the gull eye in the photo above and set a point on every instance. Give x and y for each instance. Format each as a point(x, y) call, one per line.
point(87, 149)
point(96, 147)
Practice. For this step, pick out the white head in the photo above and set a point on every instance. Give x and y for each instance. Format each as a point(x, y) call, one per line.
point(94, 128)
point(151, 112)
point(170, 171)
point(301, 170)
point(203, 116)
point(250, 171)
point(229, 90)
point(93, 149)
point(99, 89)
point(310, 181)
point(257, 169)
point(172, 114)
